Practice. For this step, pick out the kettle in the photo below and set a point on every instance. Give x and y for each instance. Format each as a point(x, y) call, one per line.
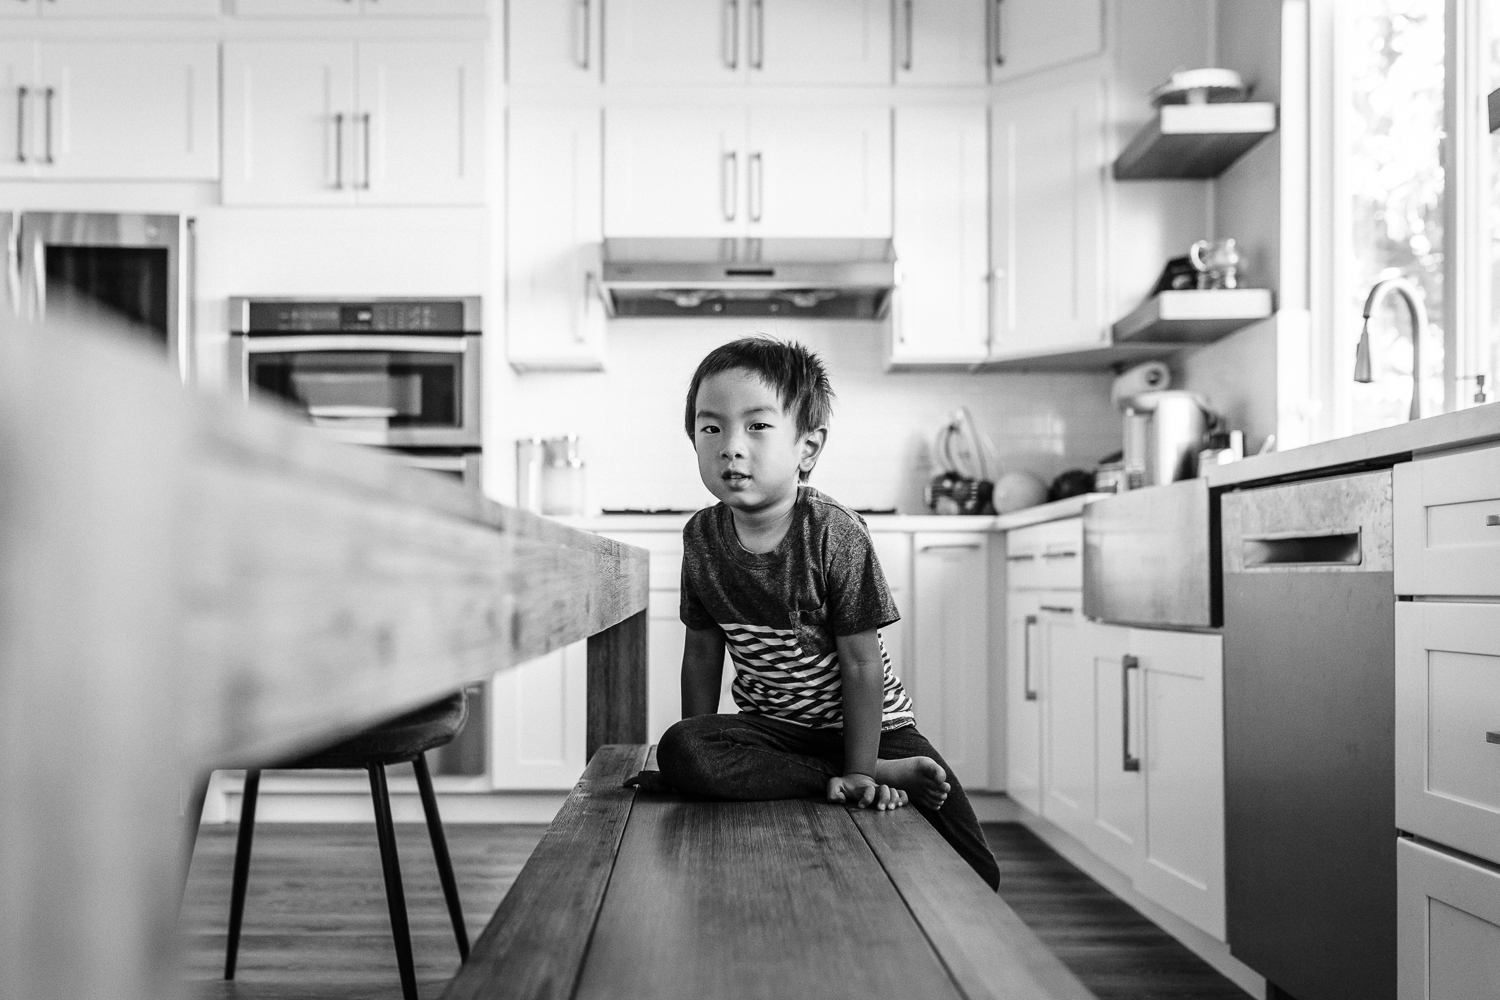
point(1164, 431)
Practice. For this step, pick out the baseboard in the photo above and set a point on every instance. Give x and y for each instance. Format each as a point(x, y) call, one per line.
point(338, 799)
point(1210, 949)
point(995, 807)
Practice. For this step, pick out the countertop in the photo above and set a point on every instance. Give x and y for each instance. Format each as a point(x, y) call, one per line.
point(1476, 425)
point(1071, 507)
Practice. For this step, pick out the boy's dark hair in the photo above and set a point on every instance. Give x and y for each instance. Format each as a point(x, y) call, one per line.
point(795, 373)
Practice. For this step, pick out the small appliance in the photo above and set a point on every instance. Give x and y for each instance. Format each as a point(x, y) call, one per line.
point(962, 458)
point(1164, 432)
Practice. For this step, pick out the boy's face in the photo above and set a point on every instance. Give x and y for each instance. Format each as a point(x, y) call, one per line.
point(749, 451)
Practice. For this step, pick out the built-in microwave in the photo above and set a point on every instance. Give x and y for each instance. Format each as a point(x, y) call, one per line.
point(399, 373)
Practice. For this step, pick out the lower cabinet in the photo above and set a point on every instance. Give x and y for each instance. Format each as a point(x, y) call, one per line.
point(1447, 925)
point(1067, 697)
point(1023, 706)
point(538, 717)
point(949, 674)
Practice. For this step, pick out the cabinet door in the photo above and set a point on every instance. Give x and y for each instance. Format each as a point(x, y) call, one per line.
point(556, 43)
point(1030, 35)
point(674, 41)
point(941, 307)
point(819, 41)
point(674, 172)
point(1048, 225)
point(819, 172)
point(1023, 716)
point(420, 134)
point(1447, 925)
point(1067, 670)
point(538, 719)
point(296, 8)
point(126, 8)
point(941, 41)
point(20, 135)
point(893, 550)
point(554, 219)
point(288, 123)
point(1119, 795)
point(131, 110)
point(1182, 757)
point(950, 644)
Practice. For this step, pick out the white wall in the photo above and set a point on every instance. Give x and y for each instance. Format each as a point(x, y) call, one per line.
point(637, 453)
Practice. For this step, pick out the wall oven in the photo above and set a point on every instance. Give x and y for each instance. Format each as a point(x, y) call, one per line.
point(125, 268)
point(397, 373)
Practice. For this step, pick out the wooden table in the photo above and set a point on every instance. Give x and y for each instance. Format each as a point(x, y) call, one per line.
point(633, 895)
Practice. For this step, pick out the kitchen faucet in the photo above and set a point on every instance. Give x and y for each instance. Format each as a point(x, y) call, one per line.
point(1413, 299)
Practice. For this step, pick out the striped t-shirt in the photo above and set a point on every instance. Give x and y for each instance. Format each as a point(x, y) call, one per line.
point(781, 611)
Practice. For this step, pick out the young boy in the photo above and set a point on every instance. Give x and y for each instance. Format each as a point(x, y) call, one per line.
point(788, 579)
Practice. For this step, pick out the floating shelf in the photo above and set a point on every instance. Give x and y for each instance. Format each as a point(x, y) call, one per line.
point(1195, 140)
point(1193, 317)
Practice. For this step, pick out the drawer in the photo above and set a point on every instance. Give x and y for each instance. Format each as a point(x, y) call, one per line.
point(1447, 926)
point(1447, 713)
point(666, 554)
point(1447, 525)
point(1045, 556)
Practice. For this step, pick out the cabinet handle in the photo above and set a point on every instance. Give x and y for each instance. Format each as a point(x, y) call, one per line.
point(757, 34)
point(21, 94)
point(906, 60)
point(940, 546)
point(1127, 664)
point(338, 151)
point(1057, 609)
point(729, 186)
point(732, 35)
point(1026, 658)
point(585, 43)
point(1061, 554)
point(996, 37)
point(757, 191)
point(1023, 557)
point(365, 123)
point(1492, 521)
point(47, 94)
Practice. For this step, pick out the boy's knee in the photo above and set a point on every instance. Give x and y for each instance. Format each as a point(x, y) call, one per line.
point(679, 753)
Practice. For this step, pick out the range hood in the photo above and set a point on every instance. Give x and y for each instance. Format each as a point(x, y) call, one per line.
point(821, 278)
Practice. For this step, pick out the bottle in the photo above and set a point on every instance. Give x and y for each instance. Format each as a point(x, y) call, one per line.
point(529, 459)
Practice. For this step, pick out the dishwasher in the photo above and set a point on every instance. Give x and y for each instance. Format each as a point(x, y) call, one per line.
point(1309, 736)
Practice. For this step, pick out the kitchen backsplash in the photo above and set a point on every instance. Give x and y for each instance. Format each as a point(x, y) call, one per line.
point(637, 454)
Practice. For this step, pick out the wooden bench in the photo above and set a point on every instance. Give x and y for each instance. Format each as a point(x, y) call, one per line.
point(648, 895)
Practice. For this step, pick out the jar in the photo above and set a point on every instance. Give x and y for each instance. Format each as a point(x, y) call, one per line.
point(562, 477)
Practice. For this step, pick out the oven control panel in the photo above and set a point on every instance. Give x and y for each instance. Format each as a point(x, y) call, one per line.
point(268, 317)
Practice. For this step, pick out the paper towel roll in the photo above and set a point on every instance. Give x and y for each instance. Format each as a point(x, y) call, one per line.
point(1145, 377)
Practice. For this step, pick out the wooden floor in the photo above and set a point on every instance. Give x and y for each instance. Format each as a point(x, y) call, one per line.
point(316, 924)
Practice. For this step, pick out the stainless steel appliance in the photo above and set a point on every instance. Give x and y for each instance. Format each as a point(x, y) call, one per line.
point(465, 466)
point(1149, 558)
point(130, 267)
point(812, 278)
point(393, 372)
point(1309, 736)
point(1164, 431)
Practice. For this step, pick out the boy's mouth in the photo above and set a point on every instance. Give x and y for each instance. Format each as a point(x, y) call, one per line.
point(733, 476)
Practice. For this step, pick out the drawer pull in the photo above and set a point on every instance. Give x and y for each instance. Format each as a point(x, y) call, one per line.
point(1293, 549)
point(1028, 557)
point(1057, 609)
point(1492, 521)
point(1493, 737)
point(1064, 554)
point(1128, 760)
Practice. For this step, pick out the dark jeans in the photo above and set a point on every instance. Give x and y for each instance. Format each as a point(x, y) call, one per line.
point(756, 757)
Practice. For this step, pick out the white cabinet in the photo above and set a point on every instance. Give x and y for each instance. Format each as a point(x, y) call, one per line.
point(727, 172)
point(359, 8)
point(940, 310)
point(111, 110)
point(942, 41)
point(554, 43)
point(538, 717)
point(1031, 35)
point(1118, 814)
point(331, 123)
point(949, 674)
point(1023, 717)
point(893, 550)
point(554, 315)
point(1047, 231)
point(784, 42)
point(1447, 925)
point(123, 9)
point(1067, 695)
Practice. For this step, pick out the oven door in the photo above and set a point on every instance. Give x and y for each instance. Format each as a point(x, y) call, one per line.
point(396, 391)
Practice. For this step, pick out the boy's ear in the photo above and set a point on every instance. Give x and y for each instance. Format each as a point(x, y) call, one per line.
point(812, 447)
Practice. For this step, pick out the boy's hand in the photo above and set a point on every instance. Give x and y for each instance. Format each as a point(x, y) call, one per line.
point(864, 792)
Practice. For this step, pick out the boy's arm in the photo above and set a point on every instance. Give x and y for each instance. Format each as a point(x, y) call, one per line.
point(702, 671)
point(863, 676)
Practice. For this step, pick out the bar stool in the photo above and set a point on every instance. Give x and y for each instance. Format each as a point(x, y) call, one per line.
point(401, 740)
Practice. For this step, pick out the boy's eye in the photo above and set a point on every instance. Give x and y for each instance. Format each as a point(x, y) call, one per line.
point(759, 426)
point(708, 429)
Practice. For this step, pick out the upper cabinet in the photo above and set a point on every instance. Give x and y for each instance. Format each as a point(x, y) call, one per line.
point(110, 110)
point(328, 123)
point(942, 41)
point(555, 44)
point(706, 171)
point(109, 8)
point(352, 8)
point(1047, 158)
point(790, 42)
point(1031, 35)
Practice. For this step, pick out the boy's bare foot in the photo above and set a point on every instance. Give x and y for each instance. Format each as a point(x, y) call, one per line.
point(922, 778)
